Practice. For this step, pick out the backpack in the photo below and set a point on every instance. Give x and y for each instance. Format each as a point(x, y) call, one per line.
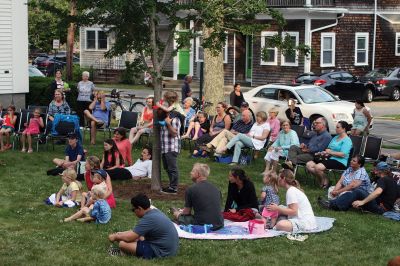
point(65, 124)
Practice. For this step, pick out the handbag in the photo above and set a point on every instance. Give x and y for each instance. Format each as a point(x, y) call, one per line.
point(256, 227)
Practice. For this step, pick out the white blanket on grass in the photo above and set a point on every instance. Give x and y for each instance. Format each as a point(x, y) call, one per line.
point(238, 230)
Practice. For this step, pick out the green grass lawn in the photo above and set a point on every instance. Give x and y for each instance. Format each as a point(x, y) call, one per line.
point(31, 233)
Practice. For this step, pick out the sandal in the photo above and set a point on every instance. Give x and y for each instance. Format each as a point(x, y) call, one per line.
point(30, 151)
point(112, 251)
point(23, 150)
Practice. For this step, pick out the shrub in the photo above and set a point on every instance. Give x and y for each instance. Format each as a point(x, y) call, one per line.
point(41, 94)
point(133, 72)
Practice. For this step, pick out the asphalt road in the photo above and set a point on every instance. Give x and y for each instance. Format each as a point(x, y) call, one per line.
point(389, 130)
point(384, 107)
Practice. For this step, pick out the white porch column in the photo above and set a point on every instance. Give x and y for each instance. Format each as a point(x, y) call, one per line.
point(308, 3)
point(307, 41)
point(191, 51)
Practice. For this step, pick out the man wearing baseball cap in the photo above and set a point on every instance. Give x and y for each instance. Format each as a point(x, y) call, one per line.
point(382, 199)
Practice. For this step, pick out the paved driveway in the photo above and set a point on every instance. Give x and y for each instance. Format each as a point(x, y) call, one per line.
point(384, 107)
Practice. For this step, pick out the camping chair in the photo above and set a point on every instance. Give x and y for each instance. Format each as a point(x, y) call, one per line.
point(128, 119)
point(104, 129)
point(43, 108)
point(68, 127)
point(357, 144)
point(22, 117)
point(29, 115)
point(251, 151)
point(43, 131)
point(299, 130)
point(372, 148)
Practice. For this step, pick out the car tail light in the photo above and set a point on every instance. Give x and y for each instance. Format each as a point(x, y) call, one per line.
point(319, 82)
point(382, 82)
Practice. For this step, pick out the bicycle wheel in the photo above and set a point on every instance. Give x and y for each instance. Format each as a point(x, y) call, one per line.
point(137, 107)
point(117, 112)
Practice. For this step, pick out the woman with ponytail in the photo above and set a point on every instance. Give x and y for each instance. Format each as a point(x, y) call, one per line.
point(299, 211)
point(241, 192)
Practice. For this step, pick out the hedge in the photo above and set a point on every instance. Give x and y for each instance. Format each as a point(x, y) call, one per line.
point(40, 92)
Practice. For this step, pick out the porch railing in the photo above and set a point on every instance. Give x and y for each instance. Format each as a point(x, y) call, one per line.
point(300, 3)
point(110, 63)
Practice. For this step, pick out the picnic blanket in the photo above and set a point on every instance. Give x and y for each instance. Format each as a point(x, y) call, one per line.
point(239, 230)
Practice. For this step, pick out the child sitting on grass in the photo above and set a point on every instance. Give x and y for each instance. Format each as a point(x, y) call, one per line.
point(7, 128)
point(100, 211)
point(99, 180)
point(269, 195)
point(70, 192)
point(32, 128)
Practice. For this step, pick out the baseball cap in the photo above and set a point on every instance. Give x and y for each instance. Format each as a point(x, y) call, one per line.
point(382, 166)
point(101, 172)
point(72, 136)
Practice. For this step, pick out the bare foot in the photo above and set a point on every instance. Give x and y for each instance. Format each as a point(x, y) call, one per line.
point(185, 136)
point(67, 220)
point(195, 138)
point(82, 220)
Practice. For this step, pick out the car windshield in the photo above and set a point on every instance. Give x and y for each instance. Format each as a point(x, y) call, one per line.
point(379, 73)
point(315, 95)
point(34, 72)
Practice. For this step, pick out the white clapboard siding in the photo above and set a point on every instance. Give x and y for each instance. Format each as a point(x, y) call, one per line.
point(6, 52)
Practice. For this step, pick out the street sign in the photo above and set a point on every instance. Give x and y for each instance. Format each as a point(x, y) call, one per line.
point(56, 44)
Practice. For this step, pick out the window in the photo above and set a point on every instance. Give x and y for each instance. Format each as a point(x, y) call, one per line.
point(292, 59)
point(328, 42)
point(361, 51)
point(267, 93)
point(336, 76)
point(397, 48)
point(347, 77)
point(96, 39)
point(200, 49)
point(272, 52)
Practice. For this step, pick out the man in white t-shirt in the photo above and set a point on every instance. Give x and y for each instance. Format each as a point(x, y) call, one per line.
point(142, 167)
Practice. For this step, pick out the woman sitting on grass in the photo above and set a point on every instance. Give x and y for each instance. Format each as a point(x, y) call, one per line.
point(241, 193)
point(92, 166)
point(69, 194)
point(299, 211)
point(112, 158)
point(99, 211)
point(123, 144)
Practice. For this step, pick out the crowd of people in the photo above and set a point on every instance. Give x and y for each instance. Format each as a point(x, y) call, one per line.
point(155, 235)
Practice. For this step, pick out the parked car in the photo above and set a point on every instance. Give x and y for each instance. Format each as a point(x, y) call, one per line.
point(313, 101)
point(48, 63)
point(34, 72)
point(340, 83)
point(386, 82)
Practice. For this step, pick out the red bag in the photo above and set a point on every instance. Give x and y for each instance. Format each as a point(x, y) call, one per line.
point(242, 215)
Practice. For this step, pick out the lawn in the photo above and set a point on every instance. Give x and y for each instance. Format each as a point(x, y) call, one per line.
point(31, 233)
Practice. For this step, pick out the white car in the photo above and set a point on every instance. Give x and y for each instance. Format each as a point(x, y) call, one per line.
point(313, 102)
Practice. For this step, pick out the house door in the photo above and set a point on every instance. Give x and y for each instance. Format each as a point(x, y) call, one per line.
point(184, 61)
point(249, 57)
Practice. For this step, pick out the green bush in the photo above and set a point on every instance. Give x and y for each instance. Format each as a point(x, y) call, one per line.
point(41, 94)
point(133, 72)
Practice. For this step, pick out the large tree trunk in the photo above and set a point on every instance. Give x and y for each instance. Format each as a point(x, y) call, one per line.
point(157, 82)
point(70, 40)
point(213, 76)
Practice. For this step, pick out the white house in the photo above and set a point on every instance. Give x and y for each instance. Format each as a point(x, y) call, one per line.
point(14, 82)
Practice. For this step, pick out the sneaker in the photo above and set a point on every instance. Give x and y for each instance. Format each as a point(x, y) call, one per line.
point(112, 251)
point(288, 165)
point(169, 190)
point(296, 237)
point(233, 164)
point(324, 203)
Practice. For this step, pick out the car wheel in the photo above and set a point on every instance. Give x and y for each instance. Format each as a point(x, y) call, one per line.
point(368, 96)
point(395, 96)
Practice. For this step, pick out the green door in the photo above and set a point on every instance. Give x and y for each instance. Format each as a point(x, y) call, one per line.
point(184, 61)
point(249, 57)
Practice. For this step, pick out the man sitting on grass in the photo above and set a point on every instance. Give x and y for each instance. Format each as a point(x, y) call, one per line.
point(153, 237)
point(384, 196)
point(204, 198)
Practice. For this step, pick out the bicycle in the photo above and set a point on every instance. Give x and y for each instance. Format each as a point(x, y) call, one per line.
point(119, 103)
point(200, 105)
